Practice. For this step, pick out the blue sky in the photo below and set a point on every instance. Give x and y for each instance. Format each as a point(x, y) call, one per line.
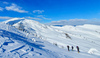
point(46, 11)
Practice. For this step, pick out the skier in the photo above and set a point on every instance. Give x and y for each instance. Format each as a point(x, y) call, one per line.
point(77, 49)
point(68, 47)
point(72, 48)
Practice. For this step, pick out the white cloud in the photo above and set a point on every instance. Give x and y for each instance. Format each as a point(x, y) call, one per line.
point(81, 20)
point(16, 8)
point(38, 11)
point(32, 18)
point(5, 3)
point(74, 22)
point(1, 9)
point(43, 17)
point(5, 17)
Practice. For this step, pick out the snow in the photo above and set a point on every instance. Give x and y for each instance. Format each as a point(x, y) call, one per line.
point(33, 40)
point(94, 51)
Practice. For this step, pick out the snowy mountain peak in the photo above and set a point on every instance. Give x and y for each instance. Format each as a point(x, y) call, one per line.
point(26, 25)
point(24, 21)
point(13, 21)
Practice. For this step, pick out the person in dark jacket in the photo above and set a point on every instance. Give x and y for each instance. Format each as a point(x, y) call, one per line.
point(72, 48)
point(68, 47)
point(77, 49)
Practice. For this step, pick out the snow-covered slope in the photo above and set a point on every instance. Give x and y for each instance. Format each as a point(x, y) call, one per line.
point(14, 44)
point(86, 36)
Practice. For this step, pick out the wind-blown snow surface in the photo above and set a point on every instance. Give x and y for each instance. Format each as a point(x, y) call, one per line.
point(15, 44)
point(86, 37)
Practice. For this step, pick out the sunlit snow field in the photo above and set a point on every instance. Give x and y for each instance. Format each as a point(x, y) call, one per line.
point(22, 38)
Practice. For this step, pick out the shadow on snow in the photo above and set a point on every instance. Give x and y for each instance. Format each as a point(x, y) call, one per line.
point(20, 38)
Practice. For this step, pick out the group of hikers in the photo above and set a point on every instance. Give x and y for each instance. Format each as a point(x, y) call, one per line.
point(73, 48)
